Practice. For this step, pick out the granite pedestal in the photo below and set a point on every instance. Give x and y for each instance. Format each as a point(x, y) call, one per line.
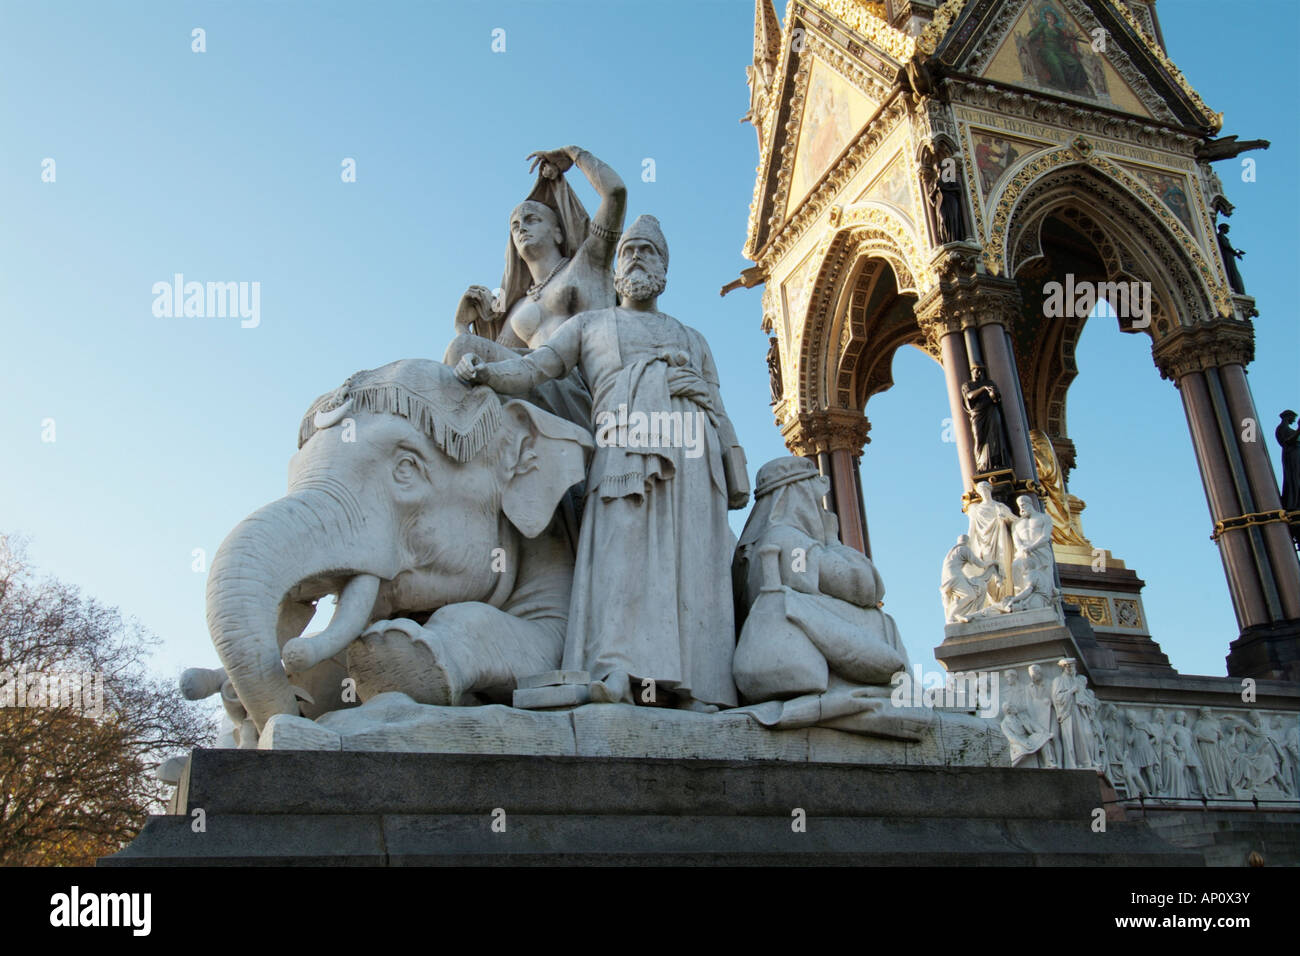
point(399, 809)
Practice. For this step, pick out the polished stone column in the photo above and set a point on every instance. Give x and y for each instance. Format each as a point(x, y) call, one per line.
point(1263, 486)
point(967, 320)
point(823, 460)
point(1238, 560)
point(1207, 362)
point(853, 523)
point(834, 438)
point(956, 369)
point(999, 359)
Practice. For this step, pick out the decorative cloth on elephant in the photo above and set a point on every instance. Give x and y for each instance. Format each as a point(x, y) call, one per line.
point(460, 420)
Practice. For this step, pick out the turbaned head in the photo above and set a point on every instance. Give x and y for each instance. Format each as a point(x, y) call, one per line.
point(642, 260)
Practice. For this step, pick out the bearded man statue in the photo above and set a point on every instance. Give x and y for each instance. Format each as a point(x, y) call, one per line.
point(652, 605)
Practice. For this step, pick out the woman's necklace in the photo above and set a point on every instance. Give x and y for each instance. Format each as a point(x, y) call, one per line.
point(535, 290)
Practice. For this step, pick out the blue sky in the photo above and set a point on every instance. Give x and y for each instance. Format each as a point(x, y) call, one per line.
point(224, 166)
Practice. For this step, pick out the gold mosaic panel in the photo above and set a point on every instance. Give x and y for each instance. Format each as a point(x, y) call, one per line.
point(1095, 609)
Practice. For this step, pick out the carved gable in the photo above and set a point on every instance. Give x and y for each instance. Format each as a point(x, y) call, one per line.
point(834, 111)
point(1096, 52)
point(1048, 50)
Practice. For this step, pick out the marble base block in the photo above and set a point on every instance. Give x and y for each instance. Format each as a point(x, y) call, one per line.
point(394, 722)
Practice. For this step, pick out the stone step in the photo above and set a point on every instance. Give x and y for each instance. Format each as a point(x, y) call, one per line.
point(353, 808)
point(1226, 838)
point(252, 782)
point(619, 839)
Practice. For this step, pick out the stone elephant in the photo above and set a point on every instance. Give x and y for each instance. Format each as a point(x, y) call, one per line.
point(428, 507)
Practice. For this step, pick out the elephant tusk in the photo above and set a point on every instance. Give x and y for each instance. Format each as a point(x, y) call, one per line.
point(302, 694)
point(200, 682)
point(325, 419)
point(351, 615)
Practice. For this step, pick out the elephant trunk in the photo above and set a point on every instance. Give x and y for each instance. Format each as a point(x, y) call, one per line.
point(311, 542)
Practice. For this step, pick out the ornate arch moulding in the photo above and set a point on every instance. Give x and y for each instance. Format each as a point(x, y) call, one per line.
point(868, 219)
point(1172, 281)
point(866, 229)
point(1082, 152)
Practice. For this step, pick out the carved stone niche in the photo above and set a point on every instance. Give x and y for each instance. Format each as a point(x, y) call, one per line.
point(945, 201)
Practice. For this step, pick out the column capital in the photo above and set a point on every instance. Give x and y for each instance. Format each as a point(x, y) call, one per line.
point(965, 297)
point(1194, 348)
point(828, 430)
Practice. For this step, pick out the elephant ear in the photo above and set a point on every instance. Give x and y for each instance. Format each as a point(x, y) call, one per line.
point(543, 456)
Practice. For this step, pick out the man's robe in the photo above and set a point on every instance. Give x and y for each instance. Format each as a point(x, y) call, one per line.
point(652, 585)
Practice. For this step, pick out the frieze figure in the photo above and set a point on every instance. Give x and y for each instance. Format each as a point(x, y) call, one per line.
point(1256, 762)
point(1012, 690)
point(1072, 714)
point(1026, 741)
point(1038, 697)
point(1287, 736)
point(1141, 765)
point(1113, 763)
point(1187, 757)
point(1209, 741)
point(1171, 779)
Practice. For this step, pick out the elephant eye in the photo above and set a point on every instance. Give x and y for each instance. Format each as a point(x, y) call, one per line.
point(408, 467)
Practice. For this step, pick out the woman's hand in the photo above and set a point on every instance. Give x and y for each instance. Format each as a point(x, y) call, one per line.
point(475, 306)
point(554, 162)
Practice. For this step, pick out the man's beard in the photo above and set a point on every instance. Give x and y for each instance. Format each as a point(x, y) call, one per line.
point(639, 285)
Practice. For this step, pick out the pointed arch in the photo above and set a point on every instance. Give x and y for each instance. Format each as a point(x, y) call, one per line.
point(1138, 225)
point(870, 255)
point(1132, 238)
